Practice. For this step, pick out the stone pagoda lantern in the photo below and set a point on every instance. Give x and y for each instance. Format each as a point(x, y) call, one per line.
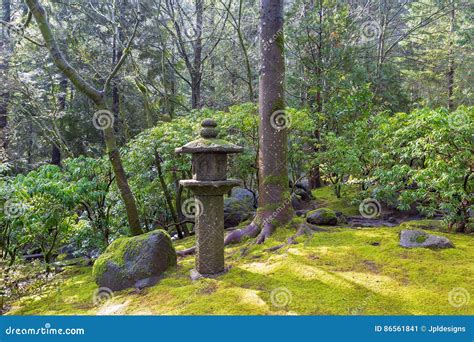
point(209, 184)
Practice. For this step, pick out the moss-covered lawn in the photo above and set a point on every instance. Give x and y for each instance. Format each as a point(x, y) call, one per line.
point(345, 271)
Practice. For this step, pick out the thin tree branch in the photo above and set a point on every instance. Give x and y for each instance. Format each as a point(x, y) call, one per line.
point(125, 54)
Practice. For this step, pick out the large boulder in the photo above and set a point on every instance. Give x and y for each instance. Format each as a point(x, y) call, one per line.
point(322, 216)
point(239, 207)
point(418, 238)
point(243, 194)
point(137, 261)
point(304, 184)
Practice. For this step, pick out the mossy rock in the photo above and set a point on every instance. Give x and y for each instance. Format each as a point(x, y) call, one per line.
point(137, 261)
point(419, 238)
point(322, 216)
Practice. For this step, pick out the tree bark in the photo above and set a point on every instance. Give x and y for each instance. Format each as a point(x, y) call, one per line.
point(55, 149)
point(4, 89)
point(98, 97)
point(182, 230)
point(451, 60)
point(196, 75)
point(274, 207)
point(117, 53)
point(316, 104)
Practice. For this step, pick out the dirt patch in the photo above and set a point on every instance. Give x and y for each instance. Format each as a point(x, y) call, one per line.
point(371, 266)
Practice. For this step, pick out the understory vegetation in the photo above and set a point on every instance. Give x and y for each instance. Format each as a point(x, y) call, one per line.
point(421, 159)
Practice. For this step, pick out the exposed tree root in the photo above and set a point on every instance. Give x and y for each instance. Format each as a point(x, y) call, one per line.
point(187, 251)
point(267, 230)
point(252, 230)
point(236, 236)
point(291, 240)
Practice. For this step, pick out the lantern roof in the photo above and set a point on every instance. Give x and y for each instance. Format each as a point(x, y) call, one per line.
point(208, 142)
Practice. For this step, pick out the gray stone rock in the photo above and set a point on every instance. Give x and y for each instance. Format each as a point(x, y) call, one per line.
point(418, 238)
point(301, 212)
point(304, 184)
point(322, 216)
point(243, 195)
point(195, 275)
point(239, 207)
point(136, 261)
point(67, 252)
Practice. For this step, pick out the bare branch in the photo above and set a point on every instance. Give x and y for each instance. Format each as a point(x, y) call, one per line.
point(119, 64)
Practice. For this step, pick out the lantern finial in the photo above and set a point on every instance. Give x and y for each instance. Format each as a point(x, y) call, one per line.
point(209, 130)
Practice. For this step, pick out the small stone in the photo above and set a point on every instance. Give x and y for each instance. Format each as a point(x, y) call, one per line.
point(209, 123)
point(417, 238)
point(195, 275)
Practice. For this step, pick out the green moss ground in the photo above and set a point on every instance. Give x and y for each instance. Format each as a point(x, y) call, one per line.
point(339, 272)
point(325, 198)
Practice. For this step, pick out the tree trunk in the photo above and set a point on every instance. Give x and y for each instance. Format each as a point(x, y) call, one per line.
point(55, 150)
point(451, 61)
point(316, 104)
point(116, 56)
point(182, 230)
point(246, 56)
point(196, 75)
point(4, 89)
point(121, 179)
point(274, 207)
